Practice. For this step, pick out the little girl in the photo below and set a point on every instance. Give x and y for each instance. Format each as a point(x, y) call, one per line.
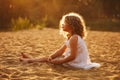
point(74, 52)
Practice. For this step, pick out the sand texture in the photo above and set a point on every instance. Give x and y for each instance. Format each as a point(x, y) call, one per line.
point(104, 48)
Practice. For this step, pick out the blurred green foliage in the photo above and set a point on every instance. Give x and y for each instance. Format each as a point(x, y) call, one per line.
point(20, 24)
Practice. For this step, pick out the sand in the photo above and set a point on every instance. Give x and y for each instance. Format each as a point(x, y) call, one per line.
point(104, 48)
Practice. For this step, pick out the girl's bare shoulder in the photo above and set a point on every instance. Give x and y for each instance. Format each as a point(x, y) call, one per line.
point(74, 39)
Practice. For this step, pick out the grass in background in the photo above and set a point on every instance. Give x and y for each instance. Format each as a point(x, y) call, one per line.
point(24, 24)
point(104, 25)
point(20, 24)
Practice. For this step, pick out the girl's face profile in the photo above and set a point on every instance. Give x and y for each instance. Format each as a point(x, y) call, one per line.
point(66, 27)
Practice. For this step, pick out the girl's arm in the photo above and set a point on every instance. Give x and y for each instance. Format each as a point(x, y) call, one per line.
point(73, 47)
point(58, 52)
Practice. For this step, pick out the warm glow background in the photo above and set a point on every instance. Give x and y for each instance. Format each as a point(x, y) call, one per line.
point(48, 12)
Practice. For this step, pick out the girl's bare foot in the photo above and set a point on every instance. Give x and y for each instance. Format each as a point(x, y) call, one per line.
point(24, 55)
point(26, 60)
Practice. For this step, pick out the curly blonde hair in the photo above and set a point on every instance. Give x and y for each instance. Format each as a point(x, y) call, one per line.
point(76, 22)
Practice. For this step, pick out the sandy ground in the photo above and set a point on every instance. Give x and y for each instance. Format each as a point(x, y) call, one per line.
point(104, 48)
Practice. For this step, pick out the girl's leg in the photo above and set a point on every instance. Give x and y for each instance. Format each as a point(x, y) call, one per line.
point(43, 59)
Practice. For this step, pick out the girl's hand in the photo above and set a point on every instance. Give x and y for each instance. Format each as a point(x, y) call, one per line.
point(49, 59)
point(56, 61)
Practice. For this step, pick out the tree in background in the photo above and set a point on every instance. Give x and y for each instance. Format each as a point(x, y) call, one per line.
point(111, 8)
point(5, 13)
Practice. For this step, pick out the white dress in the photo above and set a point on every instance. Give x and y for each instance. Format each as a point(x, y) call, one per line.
point(82, 59)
